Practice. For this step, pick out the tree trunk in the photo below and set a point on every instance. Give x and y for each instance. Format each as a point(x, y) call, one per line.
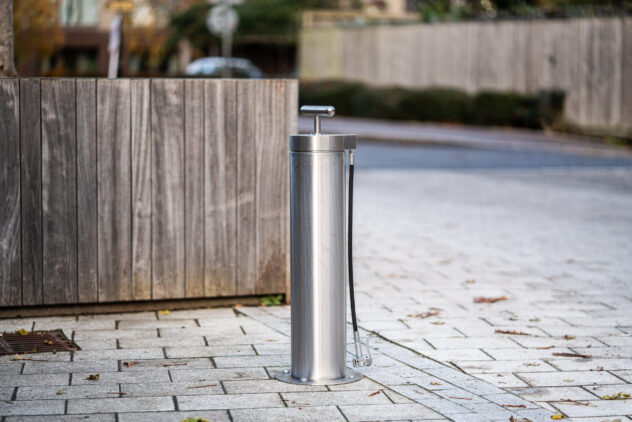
point(7, 68)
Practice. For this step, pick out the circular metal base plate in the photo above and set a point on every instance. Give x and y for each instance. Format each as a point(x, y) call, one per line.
point(352, 376)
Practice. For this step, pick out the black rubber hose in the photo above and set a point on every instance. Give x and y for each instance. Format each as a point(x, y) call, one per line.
point(350, 250)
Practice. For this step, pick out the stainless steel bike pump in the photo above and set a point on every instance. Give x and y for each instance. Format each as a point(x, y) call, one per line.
point(318, 258)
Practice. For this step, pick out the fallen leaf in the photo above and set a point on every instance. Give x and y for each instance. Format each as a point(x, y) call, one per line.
point(437, 322)
point(373, 394)
point(557, 416)
point(470, 281)
point(203, 386)
point(460, 398)
point(165, 312)
point(512, 419)
point(545, 348)
point(530, 364)
point(569, 337)
point(131, 363)
point(514, 332)
point(424, 314)
point(568, 380)
point(239, 305)
point(572, 355)
point(18, 357)
point(50, 343)
point(514, 405)
point(22, 332)
point(489, 299)
point(575, 402)
point(92, 377)
point(435, 383)
point(618, 396)
point(60, 392)
point(194, 419)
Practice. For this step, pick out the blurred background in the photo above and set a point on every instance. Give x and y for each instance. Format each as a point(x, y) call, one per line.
point(560, 65)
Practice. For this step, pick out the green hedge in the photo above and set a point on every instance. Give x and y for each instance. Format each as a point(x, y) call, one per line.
point(436, 104)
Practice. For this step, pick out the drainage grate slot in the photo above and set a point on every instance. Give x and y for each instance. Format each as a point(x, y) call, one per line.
point(35, 342)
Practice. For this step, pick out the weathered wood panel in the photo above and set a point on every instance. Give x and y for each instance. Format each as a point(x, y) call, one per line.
point(271, 180)
point(194, 187)
point(588, 58)
point(59, 191)
point(167, 171)
point(31, 191)
point(220, 188)
point(87, 190)
point(10, 248)
point(114, 190)
point(141, 189)
point(247, 121)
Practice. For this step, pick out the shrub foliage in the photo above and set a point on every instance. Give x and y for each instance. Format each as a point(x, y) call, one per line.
point(436, 104)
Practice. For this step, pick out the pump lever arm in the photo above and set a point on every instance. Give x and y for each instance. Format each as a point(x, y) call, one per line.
point(318, 112)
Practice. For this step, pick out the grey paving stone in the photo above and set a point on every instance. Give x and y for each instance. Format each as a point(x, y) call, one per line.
point(624, 375)
point(473, 343)
point(560, 379)
point(97, 344)
point(335, 398)
point(40, 379)
point(113, 334)
point(64, 418)
point(596, 408)
point(446, 355)
point(10, 368)
point(63, 392)
point(31, 407)
point(131, 343)
point(66, 367)
point(525, 354)
point(489, 410)
point(171, 389)
point(210, 415)
point(209, 351)
point(580, 364)
point(388, 412)
point(269, 386)
point(251, 361)
point(79, 378)
point(510, 400)
point(605, 352)
point(134, 404)
point(147, 324)
point(284, 414)
point(536, 414)
point(458, 395)
point(68, 326)
point(609, 390)
point(229, 401)
point(396, 397)
point(272, 349)
point(166, 364)
point(364, 384)
point(496, 366)
point(48, 357)
point(151, 353)
point(212, 313)
point(119, 316)
point(502, 380)
point(553, 393)
point(6, 393)
point(468, 417)
point(219, 374)
point(534, 342)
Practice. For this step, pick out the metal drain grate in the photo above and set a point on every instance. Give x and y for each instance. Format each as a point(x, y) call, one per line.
point(35, 342)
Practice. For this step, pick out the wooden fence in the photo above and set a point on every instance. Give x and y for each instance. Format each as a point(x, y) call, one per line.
point(126, 190)
point(590, 59)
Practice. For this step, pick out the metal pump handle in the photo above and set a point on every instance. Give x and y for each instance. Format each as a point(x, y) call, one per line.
point(318, 112)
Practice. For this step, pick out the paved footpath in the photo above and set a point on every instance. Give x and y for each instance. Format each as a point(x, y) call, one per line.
point(556, 243)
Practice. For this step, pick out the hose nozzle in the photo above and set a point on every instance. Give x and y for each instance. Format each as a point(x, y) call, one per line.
point(360, 359)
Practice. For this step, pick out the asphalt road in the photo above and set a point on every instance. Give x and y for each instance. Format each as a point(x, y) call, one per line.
point(394, 155)
point(401, 145)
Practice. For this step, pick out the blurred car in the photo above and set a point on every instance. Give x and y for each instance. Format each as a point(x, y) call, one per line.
point(213, 67)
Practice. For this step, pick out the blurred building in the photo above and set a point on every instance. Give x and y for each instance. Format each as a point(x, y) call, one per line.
point(85, 25)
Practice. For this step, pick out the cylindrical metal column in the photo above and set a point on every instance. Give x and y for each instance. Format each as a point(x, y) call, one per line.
point(318, 258)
